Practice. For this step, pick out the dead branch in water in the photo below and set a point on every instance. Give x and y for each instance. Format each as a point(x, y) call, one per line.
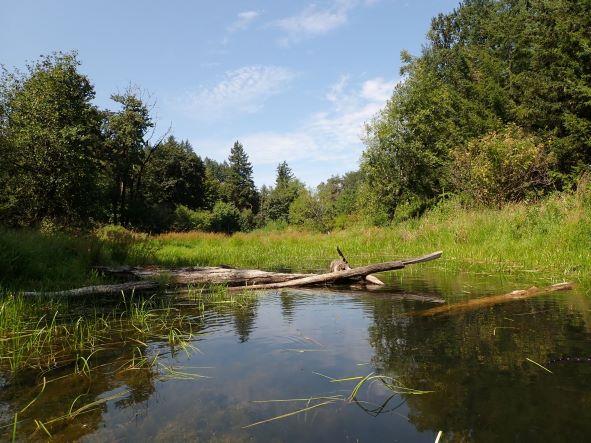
point(346, 275)
point(483, 302)
point(235, 278)
point(202, 275)
point(100, 289)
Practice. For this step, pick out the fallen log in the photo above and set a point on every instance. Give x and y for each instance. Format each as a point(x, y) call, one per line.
point(202, 275)
point(345, 275)
point(236, 279)
point(343, 265)
point(100, 289)
point(483, 302)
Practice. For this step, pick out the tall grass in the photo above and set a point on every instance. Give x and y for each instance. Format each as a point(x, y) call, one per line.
point(551, 238)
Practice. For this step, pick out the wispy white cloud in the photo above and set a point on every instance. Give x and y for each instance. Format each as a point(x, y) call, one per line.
point(331, 137)
point(244, 90)
point(243, 21)
point(340, 127)
point(314, 20)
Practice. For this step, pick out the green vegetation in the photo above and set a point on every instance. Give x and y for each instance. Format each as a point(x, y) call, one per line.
point(490, 69)
point(483, 151)
point(548, 240)
point(495, 110)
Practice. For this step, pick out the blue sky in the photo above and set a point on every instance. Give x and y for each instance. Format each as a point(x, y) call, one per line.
point(292, 80)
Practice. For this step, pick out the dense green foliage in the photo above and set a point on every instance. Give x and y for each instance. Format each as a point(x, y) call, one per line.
point(487, 66)
point(64, 162)
point(496, 109)
point(50, 151)
point(277, 200)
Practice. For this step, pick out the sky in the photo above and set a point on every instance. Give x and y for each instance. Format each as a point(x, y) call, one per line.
point(291, 80)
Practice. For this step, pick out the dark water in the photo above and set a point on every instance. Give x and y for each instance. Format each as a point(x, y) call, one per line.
point(274, 347)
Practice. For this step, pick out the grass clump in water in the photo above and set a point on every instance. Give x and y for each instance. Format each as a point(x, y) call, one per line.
point(37, 334)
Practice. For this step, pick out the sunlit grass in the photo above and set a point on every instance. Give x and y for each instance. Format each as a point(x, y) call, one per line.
point(549, 240)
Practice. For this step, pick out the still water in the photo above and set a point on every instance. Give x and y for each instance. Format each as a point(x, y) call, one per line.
point(298, 344)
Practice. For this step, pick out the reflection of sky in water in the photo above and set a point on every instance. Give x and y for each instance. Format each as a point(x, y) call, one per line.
point(271, 347)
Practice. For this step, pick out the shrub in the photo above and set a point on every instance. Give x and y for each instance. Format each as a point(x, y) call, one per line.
point(307, 211)
point(247, 220)
point(225, 217)
point(503, 166)
point(186, 219)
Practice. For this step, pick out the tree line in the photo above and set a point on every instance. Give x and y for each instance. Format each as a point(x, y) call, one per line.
point(65, 162)
point(495, 109)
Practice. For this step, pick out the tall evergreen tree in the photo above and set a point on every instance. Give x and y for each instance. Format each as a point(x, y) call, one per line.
point(284, 175)
point(240, 184)
point(278, 200)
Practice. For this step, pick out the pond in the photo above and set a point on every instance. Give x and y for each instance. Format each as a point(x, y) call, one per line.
point(514, 372)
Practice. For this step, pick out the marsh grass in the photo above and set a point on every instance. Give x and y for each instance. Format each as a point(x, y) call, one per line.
point(549, 239)
point(38, 335)
point(66, 339)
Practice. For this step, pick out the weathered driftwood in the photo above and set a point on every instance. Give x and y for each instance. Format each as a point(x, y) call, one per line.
point(483, 302)
point(201, 275)
point(100, 289)
point(345, 275)
point(234, 278)
point(342, 264)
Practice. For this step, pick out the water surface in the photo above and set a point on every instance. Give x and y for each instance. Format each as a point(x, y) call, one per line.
point(286, 344)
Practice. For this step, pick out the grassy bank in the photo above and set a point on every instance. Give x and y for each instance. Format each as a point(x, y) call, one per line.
point(549, 239)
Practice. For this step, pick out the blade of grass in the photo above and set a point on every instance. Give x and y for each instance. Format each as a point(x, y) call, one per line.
point(537, 364)
point(289, 414)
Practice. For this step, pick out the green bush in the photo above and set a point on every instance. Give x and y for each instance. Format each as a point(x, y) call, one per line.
point(307, 211)
point(503, 166)
point(225, 217)
point(248, 220)
point(186, 219)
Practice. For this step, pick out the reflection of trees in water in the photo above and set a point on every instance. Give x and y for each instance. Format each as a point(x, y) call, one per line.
point(476, 363)
point(244, 314)
point(288, 303)
point(69, 392)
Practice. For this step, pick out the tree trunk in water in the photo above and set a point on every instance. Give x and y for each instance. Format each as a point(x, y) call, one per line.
point(235, 278)
point(484, 302)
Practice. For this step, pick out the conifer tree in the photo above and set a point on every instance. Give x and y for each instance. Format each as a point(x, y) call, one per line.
point(241, 189)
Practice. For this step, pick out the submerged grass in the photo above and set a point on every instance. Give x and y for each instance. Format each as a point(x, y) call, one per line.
point(38, 334)
point(392, 384)
point(56, 339)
